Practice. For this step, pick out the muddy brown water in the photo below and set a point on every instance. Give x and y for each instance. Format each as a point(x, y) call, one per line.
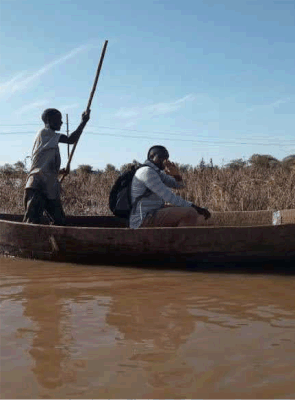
point(70, 331)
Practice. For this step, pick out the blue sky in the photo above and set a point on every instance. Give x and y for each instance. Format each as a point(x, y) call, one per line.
point(206, 79)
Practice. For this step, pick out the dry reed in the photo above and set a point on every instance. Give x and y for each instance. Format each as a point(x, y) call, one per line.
point(219, 189)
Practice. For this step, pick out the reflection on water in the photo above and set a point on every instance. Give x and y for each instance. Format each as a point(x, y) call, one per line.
point(108, 332)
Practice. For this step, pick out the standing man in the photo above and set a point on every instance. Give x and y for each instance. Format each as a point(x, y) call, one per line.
point(151, 186)
point(42, 191)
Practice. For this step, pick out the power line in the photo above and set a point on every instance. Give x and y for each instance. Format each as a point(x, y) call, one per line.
point(20, 125)
point(182, 134)
point(220, 142)
point(194, 141)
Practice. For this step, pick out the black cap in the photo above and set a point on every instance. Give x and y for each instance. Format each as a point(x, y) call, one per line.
point(159, 151)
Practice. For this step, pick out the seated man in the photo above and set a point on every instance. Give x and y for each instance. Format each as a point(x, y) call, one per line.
point(42, 191)
point(150, 190)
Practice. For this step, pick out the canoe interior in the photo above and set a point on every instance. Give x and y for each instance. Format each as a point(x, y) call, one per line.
point(218, 219)
point(100, 221)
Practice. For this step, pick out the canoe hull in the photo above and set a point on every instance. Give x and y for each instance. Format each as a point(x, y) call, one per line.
point(112, 243)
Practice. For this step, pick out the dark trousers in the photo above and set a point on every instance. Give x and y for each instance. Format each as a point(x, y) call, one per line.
point(35, 205)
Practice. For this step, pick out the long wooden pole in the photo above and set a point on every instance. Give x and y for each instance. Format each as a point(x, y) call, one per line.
point(97, 75)
point(89, 101)
point(68, 136)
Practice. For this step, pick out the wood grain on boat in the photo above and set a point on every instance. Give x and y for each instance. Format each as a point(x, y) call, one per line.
point(226, 237)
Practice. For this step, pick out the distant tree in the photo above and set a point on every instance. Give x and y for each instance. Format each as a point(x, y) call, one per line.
point(184, 167)
point(84, 169)
point(110, 168)
point(20, 167)
point(7, 170)
point(289, 162)
point(263, 161)
point(236, 164)
point(202, 164)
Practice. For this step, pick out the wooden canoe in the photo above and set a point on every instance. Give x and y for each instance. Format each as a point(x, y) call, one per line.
point(229, 236)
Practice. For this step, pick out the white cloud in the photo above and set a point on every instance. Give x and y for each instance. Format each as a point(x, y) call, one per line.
point(9, 85)
point(279, 102)
point(42, 104)
point(31, 106)
point(272, 105)
point(22, 80)
point(67, 107)
point(153, 110)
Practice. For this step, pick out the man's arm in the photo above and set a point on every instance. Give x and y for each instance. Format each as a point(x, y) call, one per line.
point(74, 136)
point(152, 181)
point(170, 181)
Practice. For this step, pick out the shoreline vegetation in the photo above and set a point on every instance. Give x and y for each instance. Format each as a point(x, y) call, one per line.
point(260, 183)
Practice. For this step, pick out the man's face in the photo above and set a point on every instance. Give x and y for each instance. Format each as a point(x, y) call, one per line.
point(55, 122)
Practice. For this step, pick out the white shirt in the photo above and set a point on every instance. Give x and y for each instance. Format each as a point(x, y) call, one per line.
point(158, 182)
point(45, 166)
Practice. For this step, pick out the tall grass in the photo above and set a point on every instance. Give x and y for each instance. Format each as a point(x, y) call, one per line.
point(219, 189)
